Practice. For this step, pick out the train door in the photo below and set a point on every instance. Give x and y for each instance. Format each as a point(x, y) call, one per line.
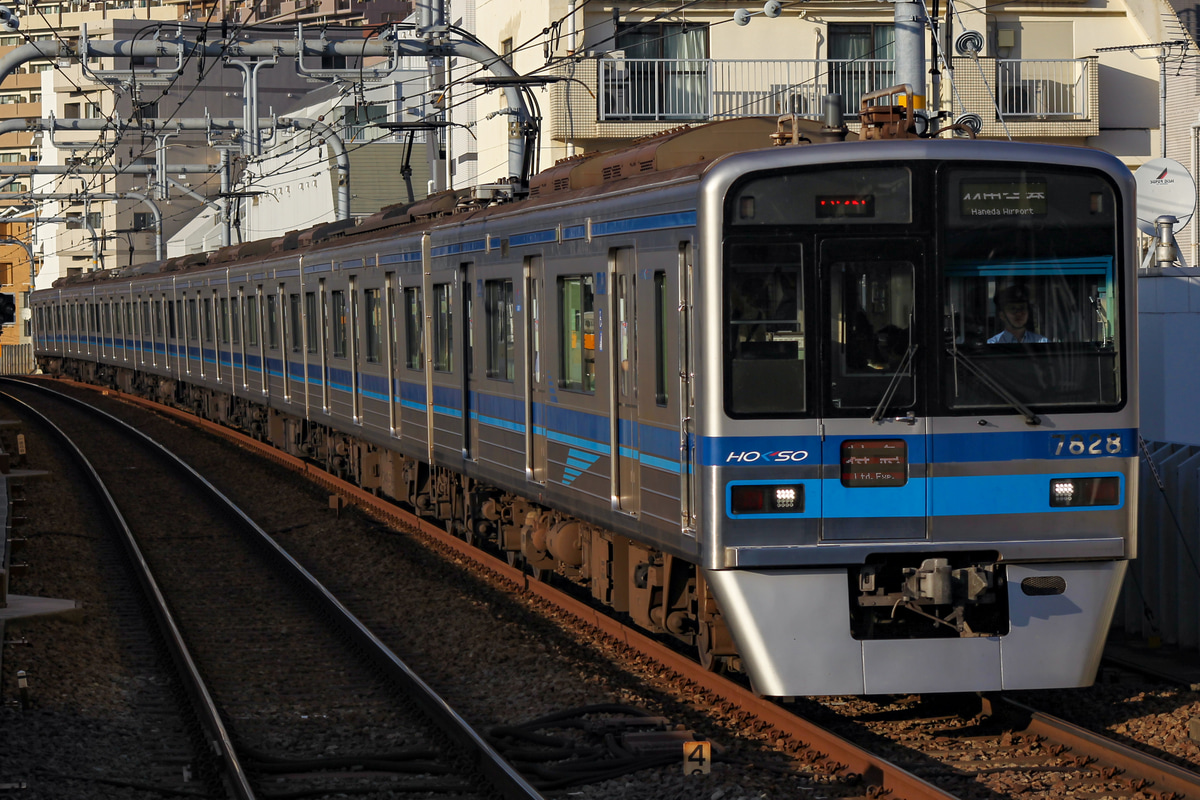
point(624, 426)
point(874, 449)
point(466, 337)
point(391, 342)
point(535, 379)
point(354, 345)
point(687, 416)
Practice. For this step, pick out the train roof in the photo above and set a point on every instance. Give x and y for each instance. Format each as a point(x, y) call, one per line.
point(679, 152)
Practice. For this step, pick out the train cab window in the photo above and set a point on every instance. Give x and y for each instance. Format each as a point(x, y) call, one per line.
point(577, 333)
point(498, 307)
point(443, 328)
point(414, 329)
point(1031, 311)
point(871, 335)
point(272, 320)
point(764, 336)
point(374, 330)
point(337, 322)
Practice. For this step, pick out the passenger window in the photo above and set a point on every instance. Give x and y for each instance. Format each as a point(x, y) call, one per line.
point(208, 319)
point(443, 338)
point(414, 329)
point(374, 325)
point(338, 323)
point(577, 333)
point(235, 322)
point(193, 323)
point(294, 316)
point(498, 303)
point(223, 320)
point(273, 321)
point(312, 328)
point(251, 320)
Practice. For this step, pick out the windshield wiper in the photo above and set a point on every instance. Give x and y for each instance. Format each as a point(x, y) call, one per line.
point(894, 384)
point(990, 382)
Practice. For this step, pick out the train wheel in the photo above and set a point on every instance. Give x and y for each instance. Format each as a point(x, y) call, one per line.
point(711, 647)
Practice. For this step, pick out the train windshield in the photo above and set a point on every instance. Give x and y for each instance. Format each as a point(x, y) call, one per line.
point(764, 331)
point(1030, 294)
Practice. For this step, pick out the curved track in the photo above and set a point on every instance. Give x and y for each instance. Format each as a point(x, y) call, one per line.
point(280, 674)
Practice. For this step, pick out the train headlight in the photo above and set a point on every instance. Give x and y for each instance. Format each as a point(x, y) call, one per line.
point(1075, 492)
point(765, 498)
point(785, 497)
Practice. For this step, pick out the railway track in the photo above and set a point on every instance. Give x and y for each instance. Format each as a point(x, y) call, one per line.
point(901, 747)
point(293, 694)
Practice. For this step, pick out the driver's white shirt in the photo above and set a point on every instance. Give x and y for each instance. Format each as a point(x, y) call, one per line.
point(1004, 337)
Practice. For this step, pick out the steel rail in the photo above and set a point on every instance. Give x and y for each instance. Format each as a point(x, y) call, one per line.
point(202, 702)
point(842, 757)
point(1134, 764)
point(503, 777)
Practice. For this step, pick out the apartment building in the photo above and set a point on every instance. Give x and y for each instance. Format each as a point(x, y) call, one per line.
point(1047, 71)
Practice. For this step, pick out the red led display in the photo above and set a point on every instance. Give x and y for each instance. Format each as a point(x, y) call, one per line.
point(845, 205)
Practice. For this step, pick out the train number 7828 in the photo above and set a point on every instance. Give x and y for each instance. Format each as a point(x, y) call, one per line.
point(1091, 444)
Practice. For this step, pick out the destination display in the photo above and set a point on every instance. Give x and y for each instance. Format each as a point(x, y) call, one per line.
point(1003, 199)
point(833, 206)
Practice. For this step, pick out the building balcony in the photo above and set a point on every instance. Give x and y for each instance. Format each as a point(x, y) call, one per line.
point(635, 97)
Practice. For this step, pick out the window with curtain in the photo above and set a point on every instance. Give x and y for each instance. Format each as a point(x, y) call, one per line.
point(861, 59)
point(666, 71)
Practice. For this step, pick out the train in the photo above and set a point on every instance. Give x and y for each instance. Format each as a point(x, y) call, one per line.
point(848, 416)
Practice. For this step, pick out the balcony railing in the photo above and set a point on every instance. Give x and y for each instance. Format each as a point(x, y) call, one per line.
point(664, 90)
point(1042, 89)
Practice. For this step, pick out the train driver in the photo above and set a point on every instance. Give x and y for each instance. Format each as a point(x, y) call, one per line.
point(1012, 310)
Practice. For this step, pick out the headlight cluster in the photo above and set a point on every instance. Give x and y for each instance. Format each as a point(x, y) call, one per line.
point(1071, 492)
point(766, 499)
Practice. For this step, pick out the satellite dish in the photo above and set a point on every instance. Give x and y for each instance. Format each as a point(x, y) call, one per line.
point(1164, 187)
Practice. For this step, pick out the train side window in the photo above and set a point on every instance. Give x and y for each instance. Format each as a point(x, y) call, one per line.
point(223, 319)
point(273, 321)
point(207, 315)
point(498, 307)
point(193, 324)
point(660, 338)
point(414, 329)
point(443, 336)
point(294, 316)
point(469, 325)
point(374, 324)
point(577, 333)
point(158, 320)
point(145, 318)
point(338, 323)
point(235, 323)
point(311, 327)
point(251, 317)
